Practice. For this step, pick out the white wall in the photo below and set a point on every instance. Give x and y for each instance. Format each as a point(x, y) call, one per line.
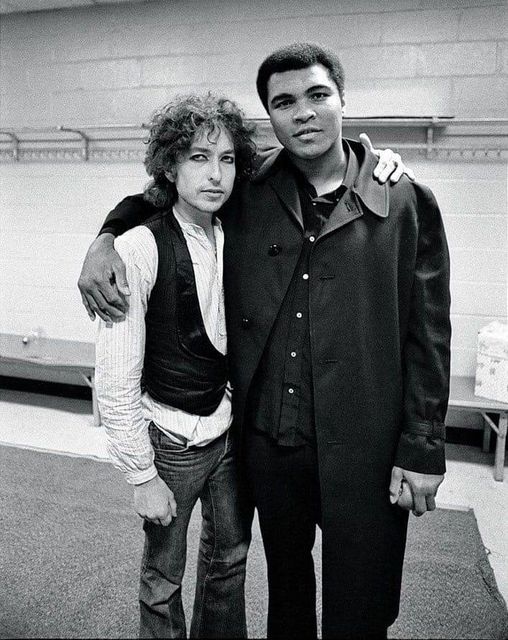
point(115, 63)
point(50, 215)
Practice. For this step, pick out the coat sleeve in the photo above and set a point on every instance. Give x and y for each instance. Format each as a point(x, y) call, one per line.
point(128, 213)
point(426, 352)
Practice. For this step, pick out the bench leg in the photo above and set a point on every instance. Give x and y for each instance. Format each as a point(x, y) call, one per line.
point(486, 436)
point(500, 447)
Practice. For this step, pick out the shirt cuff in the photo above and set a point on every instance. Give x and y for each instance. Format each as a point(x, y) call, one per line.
point(139, 477)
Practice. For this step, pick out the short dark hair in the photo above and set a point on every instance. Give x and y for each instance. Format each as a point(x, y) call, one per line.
point(172, 131)
point(299, 55)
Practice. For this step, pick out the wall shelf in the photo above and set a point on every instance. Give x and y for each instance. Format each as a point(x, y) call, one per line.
point(430, 136)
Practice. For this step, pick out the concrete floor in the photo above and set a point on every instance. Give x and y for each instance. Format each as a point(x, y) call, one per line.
point(63, 425)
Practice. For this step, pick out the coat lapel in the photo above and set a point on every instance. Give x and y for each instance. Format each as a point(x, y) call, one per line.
point(284, 185)
point(276, 173)
point(347, 209)
point(366, 193)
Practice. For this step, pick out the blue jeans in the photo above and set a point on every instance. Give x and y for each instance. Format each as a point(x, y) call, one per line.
point(207, 473)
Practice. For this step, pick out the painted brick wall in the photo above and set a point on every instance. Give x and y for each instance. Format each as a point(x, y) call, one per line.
point(115, 64)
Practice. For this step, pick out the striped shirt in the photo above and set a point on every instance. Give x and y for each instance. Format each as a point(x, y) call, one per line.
point(120, 347)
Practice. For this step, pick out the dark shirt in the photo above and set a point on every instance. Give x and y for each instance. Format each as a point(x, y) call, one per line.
point(286, 411)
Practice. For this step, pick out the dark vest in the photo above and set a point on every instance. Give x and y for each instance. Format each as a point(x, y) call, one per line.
point(182, 368)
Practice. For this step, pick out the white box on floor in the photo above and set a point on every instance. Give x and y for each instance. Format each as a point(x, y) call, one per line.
point(492, 362)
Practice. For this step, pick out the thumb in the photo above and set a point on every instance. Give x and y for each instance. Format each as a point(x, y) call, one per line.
point(395, 484)
point(365, 140)
point(172, 503)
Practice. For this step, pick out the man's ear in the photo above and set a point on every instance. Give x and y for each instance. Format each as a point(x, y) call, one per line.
point(170, 175)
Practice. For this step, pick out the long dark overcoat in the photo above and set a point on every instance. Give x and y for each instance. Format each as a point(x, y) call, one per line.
point(380, 334)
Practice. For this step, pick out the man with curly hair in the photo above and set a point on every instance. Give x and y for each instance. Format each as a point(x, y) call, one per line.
point(162, 376)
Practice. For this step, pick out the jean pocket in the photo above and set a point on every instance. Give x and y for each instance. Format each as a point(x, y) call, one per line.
point(162, 442)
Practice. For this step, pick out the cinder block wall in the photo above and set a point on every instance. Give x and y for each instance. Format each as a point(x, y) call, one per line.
point(115, 64)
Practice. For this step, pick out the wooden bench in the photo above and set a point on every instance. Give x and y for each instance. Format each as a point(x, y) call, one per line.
point(41, 353)
point(463, 398)
point(77, 356)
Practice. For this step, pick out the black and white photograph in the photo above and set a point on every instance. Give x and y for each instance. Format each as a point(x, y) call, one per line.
point(254, 319)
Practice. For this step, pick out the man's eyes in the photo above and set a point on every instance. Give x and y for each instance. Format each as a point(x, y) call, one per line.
point(319, 95)
point(282, 104)
point(201, 157)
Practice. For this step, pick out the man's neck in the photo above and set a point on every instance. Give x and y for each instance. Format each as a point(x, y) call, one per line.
point(325, 173)
point(201, 219)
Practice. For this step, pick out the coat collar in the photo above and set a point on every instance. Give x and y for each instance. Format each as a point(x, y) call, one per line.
point(374, 196)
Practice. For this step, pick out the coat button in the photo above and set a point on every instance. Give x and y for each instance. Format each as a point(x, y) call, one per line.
point(245, 323)
point(274, 250)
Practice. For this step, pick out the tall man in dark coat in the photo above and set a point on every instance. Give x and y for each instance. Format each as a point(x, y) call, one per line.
point(337, 294)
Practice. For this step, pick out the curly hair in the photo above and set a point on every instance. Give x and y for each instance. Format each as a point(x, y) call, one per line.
point(299, 55)
point(172, 131)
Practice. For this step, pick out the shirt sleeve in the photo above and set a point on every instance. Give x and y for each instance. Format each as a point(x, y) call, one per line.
point(128, 213)
point(120, 348)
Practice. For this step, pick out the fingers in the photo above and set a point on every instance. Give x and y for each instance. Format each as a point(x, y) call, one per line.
point(161, 516)
point(165, 521)
point(101, 307)
point(431, 503)
point(397, 174)
point(405, 500)
point(172, 503)
point(113, 298)
point(395, 484)
point(420, 505)
point(416, 491)
point(162, 520)
point(388, 162)
point(365, 140)
point(94, 308)
point(120, 278)
point(89, 310)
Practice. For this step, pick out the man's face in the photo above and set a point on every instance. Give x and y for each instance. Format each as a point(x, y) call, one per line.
point(305, 111)
point(204, 175)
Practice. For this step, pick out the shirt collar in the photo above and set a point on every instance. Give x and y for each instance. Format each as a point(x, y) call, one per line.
point(188, 226)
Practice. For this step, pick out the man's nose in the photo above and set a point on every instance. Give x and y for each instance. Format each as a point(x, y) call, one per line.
point(304, 112)
point(215, 173)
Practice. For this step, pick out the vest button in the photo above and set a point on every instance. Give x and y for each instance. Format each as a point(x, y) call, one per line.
point(245, 323)
point(274, 250)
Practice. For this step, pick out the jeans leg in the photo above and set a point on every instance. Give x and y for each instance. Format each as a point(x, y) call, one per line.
point(162, 569)
point(185, 471)
point(219, 603)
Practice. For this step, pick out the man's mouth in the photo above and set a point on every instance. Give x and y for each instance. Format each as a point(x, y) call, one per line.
point(216, 192)
point(308, 131)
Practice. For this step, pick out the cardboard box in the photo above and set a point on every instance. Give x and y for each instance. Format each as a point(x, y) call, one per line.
point(492, 362)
